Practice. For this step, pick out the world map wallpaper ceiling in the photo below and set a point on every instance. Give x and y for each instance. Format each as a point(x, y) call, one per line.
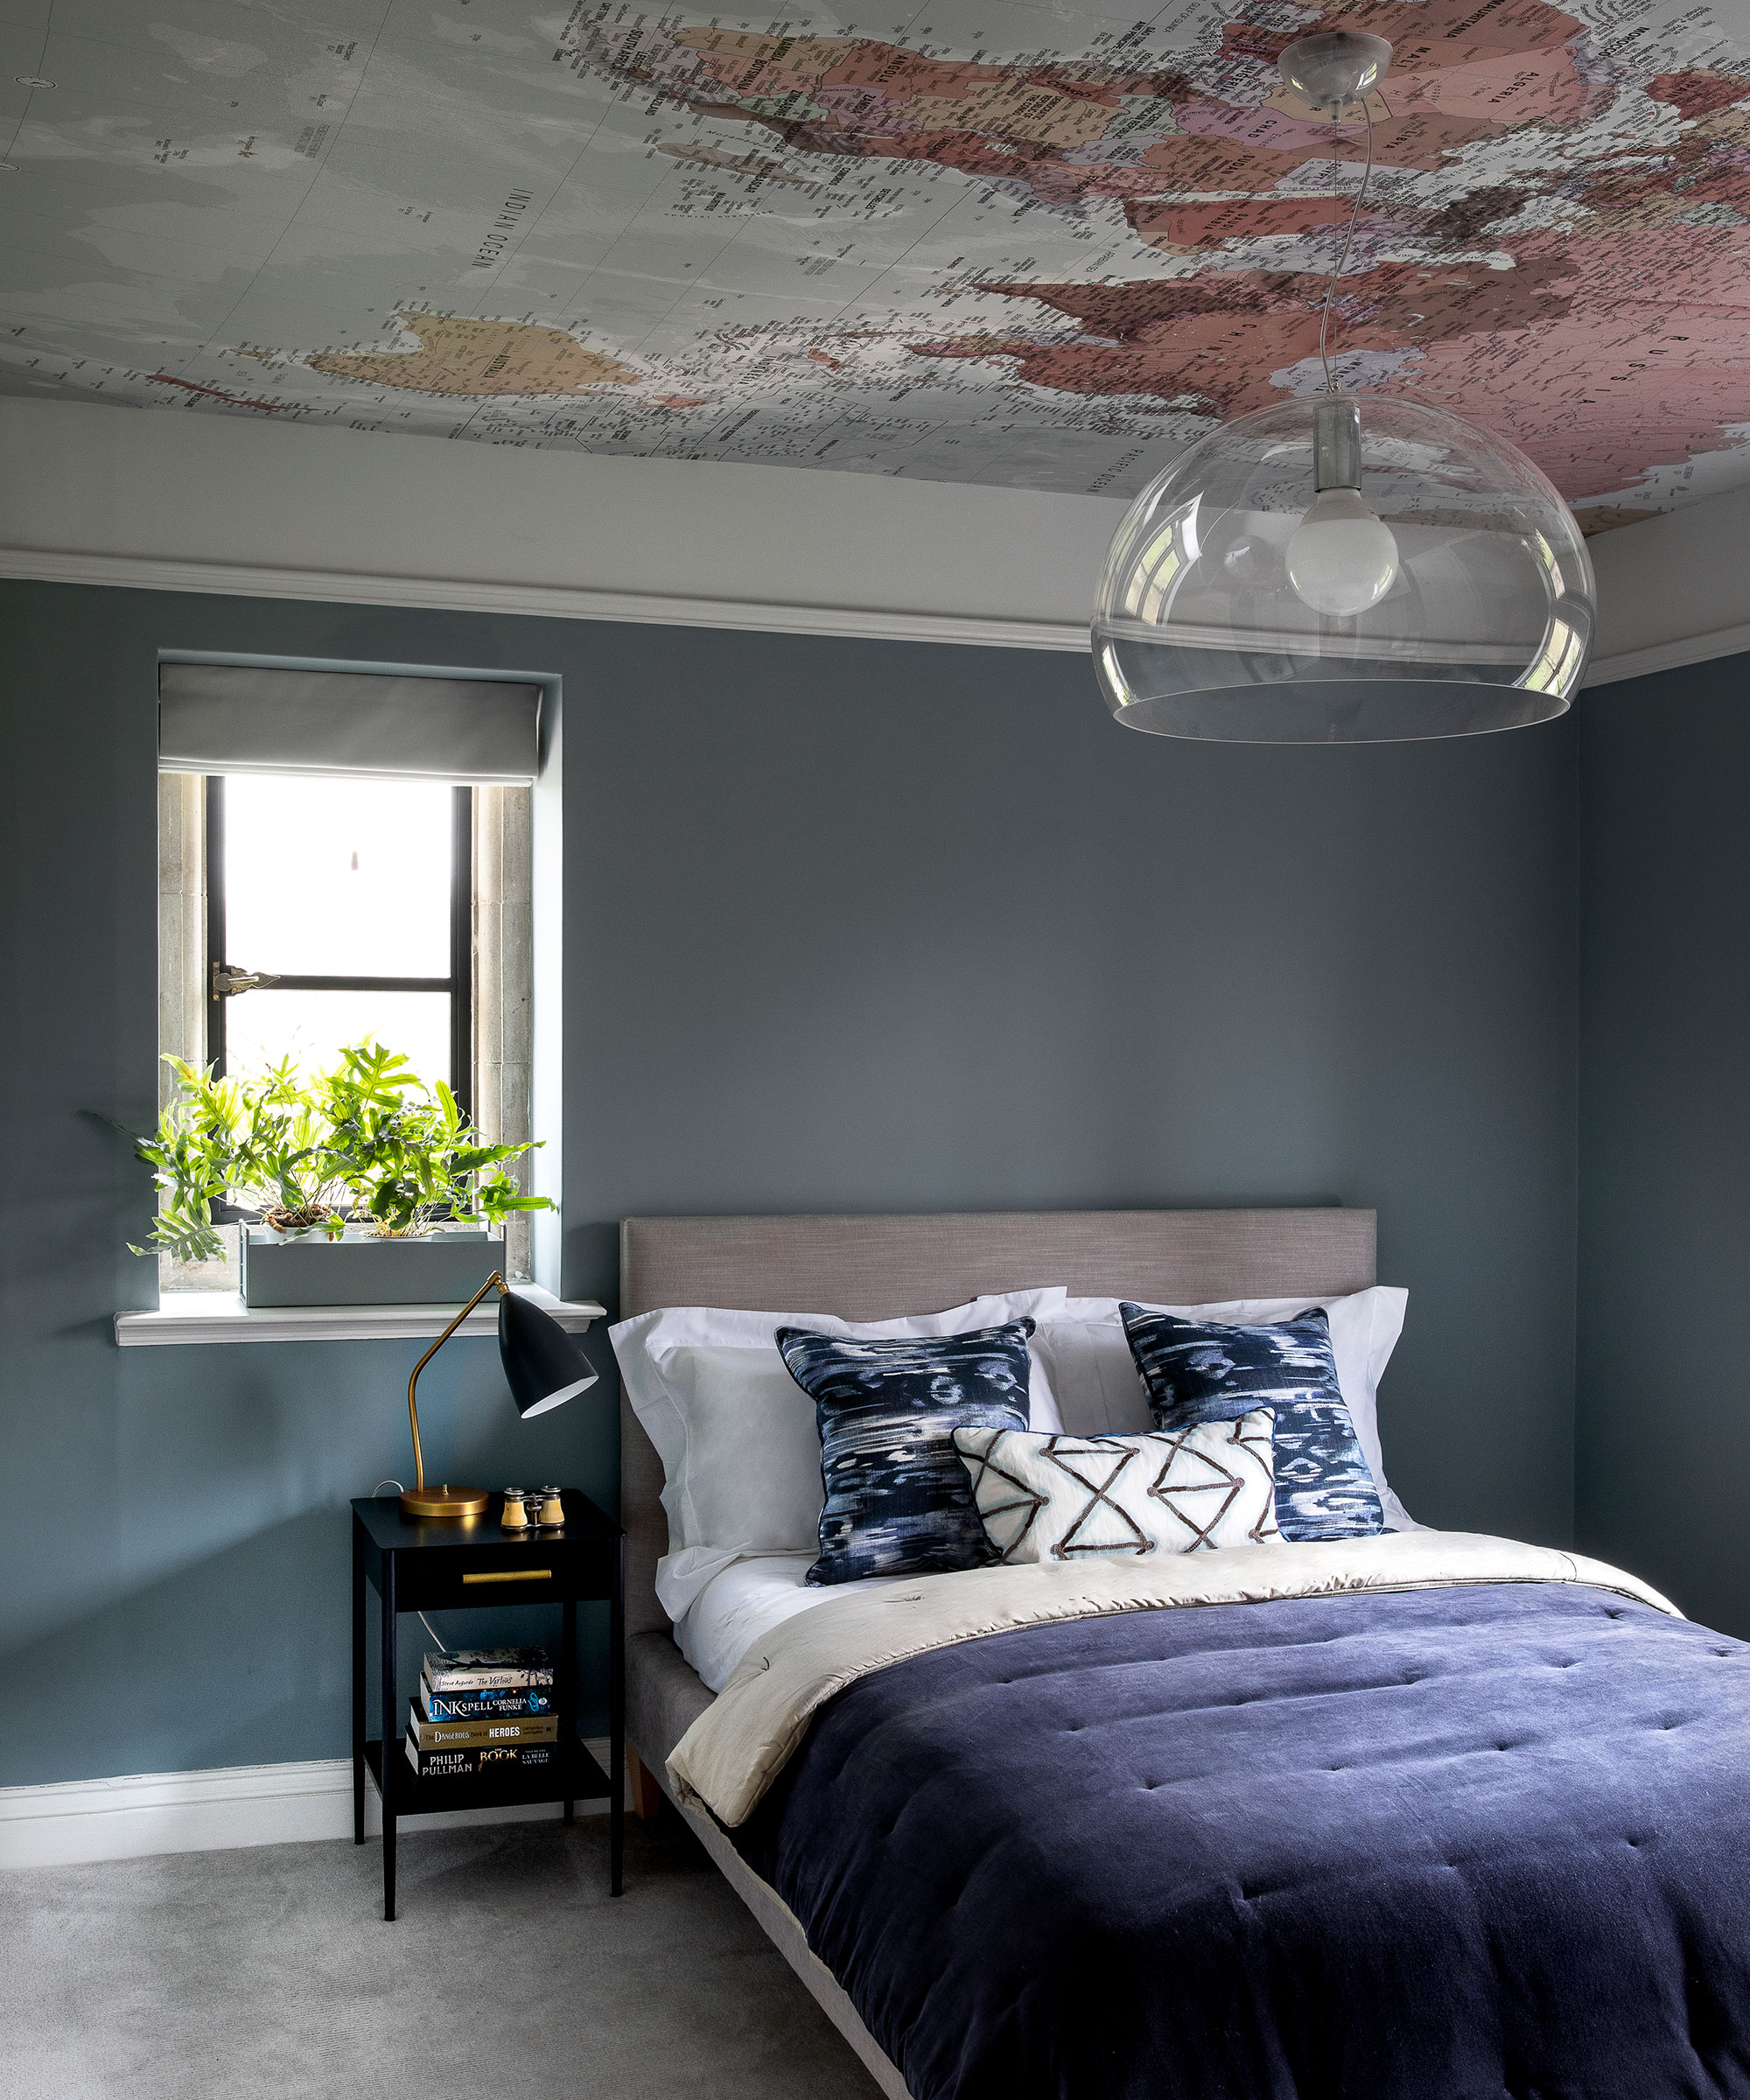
point(1038, 247)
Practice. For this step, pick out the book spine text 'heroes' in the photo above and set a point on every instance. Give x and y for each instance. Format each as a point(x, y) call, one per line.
point(455, 1735)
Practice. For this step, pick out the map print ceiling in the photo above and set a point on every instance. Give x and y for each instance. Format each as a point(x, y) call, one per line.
point(1041, 247)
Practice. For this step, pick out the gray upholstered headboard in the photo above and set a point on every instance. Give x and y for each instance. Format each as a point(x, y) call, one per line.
point(879, 1268)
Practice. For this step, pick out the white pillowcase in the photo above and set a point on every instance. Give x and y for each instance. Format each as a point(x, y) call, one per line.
point(743, 1604)
point(1093, 1375)
point(1122, 1498)
point(741, 1455)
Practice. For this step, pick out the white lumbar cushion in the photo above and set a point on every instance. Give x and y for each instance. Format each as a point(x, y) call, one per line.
point(1094, 1376)
point(740, 1452)
point(1167, 1491)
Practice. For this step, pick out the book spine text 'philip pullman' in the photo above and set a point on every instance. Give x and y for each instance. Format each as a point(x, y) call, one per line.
point(486, 1757)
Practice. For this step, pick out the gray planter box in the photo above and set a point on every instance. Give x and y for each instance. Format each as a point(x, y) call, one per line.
point(443, 1269)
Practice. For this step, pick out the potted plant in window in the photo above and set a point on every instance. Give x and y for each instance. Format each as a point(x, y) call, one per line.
point(371, 1187)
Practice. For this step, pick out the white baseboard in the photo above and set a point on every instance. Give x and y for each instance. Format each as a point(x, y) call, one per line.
point(127, 1818)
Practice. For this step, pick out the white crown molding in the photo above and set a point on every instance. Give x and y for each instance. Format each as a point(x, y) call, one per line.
point(213, 504)
point(1668, 655)
point(140, 572)
point(83, 1820)
point(136, 573)
point(202, 1317)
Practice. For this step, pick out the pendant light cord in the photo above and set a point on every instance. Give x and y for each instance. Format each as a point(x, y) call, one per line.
point(1331, 386)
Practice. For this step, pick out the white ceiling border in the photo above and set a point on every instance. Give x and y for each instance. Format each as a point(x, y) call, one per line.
point(142, 572)
point(156, 500)
point(1668, 655)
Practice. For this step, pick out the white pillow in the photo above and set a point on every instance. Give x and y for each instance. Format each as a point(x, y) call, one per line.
point(1093, 1375)
point(741, 1455)
point(1122, 1498)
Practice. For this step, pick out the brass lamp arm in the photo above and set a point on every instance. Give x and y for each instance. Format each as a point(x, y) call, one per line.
point(412, 1405)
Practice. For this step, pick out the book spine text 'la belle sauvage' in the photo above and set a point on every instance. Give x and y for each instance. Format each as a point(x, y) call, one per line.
point(480, 1670)
point(482, 1706)
point(468, 1762)
point(456, 1735)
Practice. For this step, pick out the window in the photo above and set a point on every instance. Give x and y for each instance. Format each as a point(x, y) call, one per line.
point(299, 913)
point(346, 850)
point(337, 909)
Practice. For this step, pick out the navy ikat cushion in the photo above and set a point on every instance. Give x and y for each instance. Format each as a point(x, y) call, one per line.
point(898, 1501)
point(1203, 1371)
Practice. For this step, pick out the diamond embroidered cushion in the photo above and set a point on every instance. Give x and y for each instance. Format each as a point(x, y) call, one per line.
point(1203, 1371)
point(897, 1499)
point(1187, 1490)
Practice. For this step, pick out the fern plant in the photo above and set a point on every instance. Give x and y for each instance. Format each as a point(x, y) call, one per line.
point(406, 1154)
point(366, 1141)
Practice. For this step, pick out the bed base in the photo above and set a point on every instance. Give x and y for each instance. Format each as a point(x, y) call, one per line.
point(777, 1921)
point(879, 1268)
point(664, 1694)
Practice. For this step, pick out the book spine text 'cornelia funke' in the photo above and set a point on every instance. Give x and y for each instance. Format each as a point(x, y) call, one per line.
point(483, 1706)
point(456, 1735)
point(483, 1670)
point(486, 1757)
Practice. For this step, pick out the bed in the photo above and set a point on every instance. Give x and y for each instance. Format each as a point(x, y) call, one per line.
point(1448, 1817)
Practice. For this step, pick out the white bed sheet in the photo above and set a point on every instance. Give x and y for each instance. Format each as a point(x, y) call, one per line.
point(747, 1600)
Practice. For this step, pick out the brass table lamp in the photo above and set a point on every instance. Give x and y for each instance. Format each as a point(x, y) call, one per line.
point(542, 1366)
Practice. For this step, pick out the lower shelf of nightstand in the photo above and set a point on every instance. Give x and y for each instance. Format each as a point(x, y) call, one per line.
point(573, 1775)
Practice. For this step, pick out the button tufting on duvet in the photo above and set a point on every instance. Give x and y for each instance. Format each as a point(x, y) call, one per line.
point(1450, 1905)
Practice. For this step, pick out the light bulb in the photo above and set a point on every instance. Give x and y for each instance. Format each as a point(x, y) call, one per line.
point(1341, 558)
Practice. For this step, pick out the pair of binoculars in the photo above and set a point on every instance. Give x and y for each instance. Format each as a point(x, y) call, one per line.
point(517, 1516)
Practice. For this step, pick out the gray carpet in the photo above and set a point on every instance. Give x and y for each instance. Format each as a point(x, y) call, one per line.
point(509, 1972)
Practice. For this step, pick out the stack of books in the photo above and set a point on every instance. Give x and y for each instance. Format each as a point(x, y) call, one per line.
point(480, 1709)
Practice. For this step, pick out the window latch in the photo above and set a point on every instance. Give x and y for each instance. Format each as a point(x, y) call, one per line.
point(228, 984)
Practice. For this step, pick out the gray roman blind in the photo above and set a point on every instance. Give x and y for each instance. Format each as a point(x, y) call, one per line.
point(216, 718)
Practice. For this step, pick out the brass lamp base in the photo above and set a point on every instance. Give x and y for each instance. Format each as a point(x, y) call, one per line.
point(443, 1500)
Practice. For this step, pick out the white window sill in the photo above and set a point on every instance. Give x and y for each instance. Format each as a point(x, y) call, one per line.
point(207, 1316)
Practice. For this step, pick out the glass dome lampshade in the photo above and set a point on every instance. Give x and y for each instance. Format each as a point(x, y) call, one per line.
point(1344, 569)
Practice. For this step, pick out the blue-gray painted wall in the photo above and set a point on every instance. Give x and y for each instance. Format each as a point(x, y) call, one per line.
point(1663, 1438)
point(850, 925)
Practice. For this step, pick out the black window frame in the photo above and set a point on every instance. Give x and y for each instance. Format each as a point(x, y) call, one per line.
point(459, 984)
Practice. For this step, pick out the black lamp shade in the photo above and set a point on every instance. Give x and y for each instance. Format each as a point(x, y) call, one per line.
point(543, 1367)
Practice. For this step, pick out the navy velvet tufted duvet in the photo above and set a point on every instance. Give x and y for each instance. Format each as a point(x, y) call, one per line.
point(1447, 1845)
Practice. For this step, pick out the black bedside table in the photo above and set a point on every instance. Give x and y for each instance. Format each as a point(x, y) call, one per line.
point(447, 1564)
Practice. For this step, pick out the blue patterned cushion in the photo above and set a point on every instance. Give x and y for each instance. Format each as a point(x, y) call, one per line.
point(899, 1502)
point(1203, 1371)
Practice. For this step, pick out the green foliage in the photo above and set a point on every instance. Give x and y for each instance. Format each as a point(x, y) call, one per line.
point(366, 1141)
point(409, 1157)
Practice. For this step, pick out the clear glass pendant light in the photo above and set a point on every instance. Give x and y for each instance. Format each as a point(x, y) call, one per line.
point(1344, 568)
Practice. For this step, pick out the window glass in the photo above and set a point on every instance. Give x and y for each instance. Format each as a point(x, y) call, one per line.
point(310, 1027)
point(336, 878)
point(341, 878)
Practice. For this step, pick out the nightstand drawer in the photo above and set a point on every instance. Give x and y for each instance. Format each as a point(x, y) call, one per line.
point(485, 1575)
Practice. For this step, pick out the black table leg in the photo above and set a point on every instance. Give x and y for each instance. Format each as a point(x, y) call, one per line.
point(391, 1734)
point(616, 1696)
point(358, 1680)
point(567, 1700)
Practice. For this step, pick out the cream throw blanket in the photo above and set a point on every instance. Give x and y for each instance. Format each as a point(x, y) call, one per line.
point(741, 1742)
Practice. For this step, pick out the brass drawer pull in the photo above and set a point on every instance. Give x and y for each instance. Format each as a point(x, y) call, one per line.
point(513, 1575)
